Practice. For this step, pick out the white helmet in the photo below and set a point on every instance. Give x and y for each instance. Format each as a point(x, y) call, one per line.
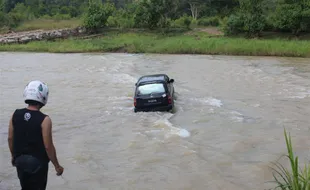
point(36, 91)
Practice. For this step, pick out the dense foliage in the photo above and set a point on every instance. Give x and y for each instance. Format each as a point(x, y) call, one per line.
point(234, 16)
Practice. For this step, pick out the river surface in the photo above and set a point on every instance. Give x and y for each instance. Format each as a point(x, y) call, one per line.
point(225, 132)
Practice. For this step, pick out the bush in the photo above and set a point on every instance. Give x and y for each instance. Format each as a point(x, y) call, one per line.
point(164, 23)
point(223, 23)
point(252, 14)
point(97, 16)
point(1, 7)
point(233, 25)
point(120, 22)
point(209, 21)
point(248, 19)
point(112, 22)
point(14, 19)
point(121, 19)
point(19, 14)
point(73, 11)
point(154, 13)
point(47, 17)
point(64, 10)
point(194, 23)
point(292, 17)
point(269, 26)
point(183, 22)
point(126, 22)
point(59, 16)
point(147, 14)
point(253, 24)
point(3, 19)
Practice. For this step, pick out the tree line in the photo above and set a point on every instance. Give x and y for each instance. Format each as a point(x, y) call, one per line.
point(251, 17)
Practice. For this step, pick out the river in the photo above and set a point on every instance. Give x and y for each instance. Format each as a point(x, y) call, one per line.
point(226, 130)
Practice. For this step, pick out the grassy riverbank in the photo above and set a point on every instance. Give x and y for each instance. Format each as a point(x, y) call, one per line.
point(193, 42)
point(44, 24)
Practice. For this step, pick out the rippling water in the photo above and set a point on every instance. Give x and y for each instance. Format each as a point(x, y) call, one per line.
point(226, 130)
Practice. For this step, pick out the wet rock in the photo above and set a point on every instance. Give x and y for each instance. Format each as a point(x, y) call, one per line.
point(37, 35)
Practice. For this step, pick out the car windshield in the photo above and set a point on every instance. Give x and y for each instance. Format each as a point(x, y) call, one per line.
point(151, 88)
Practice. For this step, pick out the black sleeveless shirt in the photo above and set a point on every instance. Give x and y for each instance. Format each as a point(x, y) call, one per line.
point(27, 133)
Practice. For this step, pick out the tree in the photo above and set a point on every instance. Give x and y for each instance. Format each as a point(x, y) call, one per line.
point(1, 5)
point(196, 7)
point(2, 15)
point(224, 7)
point(249, 19)
point(252, 13)
point(97, 16)
point(293, 16)
point(154, 13)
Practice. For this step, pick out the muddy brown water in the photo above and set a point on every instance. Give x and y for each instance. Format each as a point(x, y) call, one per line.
point(226, 130)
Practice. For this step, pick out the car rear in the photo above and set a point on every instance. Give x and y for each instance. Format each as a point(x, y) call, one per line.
point(152, 97)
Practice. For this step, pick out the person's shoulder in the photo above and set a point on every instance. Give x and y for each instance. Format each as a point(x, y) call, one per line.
point(47, 118)
point(47, 121)
point(44, 114)
point(18, 111)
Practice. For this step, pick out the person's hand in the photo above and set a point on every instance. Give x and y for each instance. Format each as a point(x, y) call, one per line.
point(59, 170)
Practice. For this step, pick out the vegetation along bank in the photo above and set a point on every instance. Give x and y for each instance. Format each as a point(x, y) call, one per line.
point(232, 27)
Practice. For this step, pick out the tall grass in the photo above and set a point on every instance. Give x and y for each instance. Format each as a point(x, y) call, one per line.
point(184, 43)
point(45, 24)
point(297, 178)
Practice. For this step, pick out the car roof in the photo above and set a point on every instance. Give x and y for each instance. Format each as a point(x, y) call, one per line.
point(153, 78)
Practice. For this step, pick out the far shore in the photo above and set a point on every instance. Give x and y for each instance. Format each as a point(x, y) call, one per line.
point(198, 41)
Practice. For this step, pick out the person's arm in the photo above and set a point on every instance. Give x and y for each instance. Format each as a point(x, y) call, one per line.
point(10, 137)
point(48, 141)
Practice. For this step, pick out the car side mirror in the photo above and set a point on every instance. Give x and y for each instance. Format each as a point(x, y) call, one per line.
point(171, 80)
point(135, 84)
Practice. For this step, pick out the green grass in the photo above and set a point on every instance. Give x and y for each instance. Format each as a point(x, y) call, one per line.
point(47, 24)
point(181, 43)
point(296, 179)
point(44, 24)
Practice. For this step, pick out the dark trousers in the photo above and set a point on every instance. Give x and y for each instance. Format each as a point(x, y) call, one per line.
point(32, 172)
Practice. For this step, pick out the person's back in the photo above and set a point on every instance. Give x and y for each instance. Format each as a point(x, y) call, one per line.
point(28, 134)
point(30, 139)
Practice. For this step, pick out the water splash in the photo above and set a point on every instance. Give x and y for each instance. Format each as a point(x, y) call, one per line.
point(214, 102)
point(209, 101)
point(301, 95)
point(169, 129)
point(236, 116)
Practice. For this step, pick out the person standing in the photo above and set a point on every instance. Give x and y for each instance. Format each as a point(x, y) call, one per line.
point(30, 139)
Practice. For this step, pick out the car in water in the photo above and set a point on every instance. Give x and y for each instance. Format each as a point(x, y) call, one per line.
point(154, 93)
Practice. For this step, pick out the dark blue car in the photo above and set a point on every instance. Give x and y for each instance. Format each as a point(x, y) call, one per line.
point(154, 93)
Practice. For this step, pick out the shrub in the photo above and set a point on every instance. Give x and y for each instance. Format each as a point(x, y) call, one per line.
point(59, 16)
point(233, 25)
point(209, 21)
point(293, 17)
point(97, 15)
point(183, 22)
